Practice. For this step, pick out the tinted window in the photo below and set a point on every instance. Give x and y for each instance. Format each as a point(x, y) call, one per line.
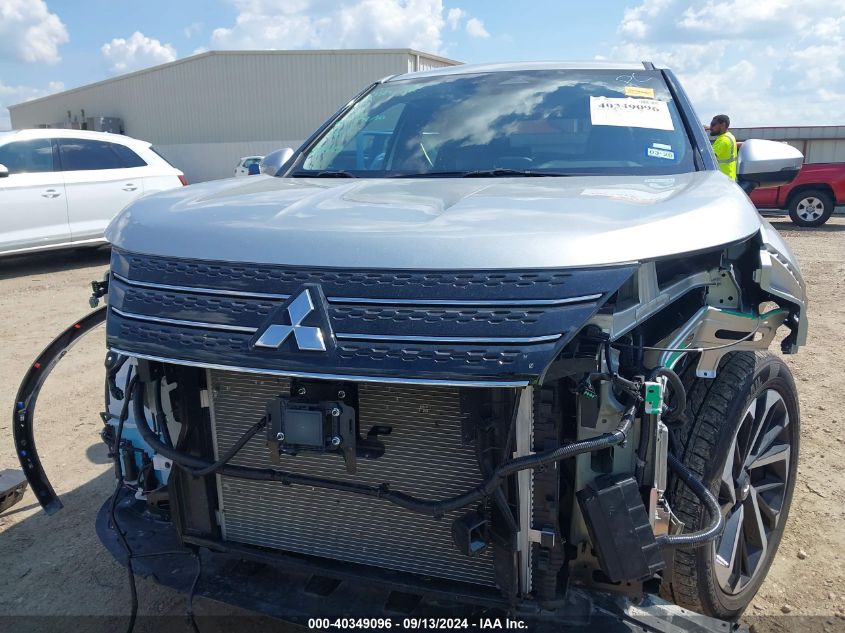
point(555, 122)
point(161, 156)
point(23, 157)
point(130, 158)
point(87, 154)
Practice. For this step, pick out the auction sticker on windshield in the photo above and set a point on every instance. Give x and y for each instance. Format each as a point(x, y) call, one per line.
point(628, 112)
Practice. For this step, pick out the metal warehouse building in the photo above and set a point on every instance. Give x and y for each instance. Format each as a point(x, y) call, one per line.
point(819, 144)
point(204, 112)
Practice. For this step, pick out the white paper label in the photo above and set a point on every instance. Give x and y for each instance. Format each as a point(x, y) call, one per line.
point(627, 112)
point(661, 153)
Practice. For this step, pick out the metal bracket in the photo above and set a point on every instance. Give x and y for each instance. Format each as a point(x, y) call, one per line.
point(524, 444)
point(545, 537)
point(708, 332)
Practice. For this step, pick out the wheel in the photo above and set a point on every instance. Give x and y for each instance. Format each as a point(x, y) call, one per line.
point(741, 437)
point(812, 207)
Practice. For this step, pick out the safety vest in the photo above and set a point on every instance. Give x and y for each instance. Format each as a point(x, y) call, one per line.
point(724, 146)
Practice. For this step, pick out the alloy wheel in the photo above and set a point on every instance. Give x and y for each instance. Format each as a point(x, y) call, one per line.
point(752, 490)
point(810, 208)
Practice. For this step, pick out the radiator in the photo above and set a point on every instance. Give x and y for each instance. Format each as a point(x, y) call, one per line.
point(424, 457)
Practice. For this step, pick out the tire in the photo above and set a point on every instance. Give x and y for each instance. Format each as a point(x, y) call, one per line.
point(812, 207)
point(720, 413)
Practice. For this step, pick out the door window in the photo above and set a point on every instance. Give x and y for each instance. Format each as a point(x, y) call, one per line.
point(88, 154)
point(27, 157)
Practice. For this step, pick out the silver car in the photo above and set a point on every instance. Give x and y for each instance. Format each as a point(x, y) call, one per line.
point(491, 341)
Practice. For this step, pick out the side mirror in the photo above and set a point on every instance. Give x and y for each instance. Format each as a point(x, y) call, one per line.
point(273, 162)
point(763, 163)
point(4, 173)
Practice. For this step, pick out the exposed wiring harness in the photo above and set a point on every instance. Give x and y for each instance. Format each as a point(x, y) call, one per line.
point(124, 414)
point(490, 487)
point(708, 533)
point(228, 455)
point(436, 508)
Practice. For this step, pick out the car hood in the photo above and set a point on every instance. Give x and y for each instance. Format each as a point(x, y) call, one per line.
point(449, 223)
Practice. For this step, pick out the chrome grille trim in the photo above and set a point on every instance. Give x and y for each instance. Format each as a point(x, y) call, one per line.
point(208, 326)
point(398, 338)
point(337, 377)
point(362, 300)
point(448, 339)
point(198, 290)
point(462, 303)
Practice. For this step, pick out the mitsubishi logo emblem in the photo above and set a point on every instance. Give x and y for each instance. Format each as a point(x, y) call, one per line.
point(308, 338)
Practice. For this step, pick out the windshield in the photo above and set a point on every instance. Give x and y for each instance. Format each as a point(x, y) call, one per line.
point(542, 122)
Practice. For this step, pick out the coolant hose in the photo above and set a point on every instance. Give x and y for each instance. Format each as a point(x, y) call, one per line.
point(432, 508)
point(717, 522)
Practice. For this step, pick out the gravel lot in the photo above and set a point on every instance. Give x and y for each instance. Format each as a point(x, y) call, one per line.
point(55, 566)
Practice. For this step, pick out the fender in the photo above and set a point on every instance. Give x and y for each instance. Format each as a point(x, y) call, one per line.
point(23, 415)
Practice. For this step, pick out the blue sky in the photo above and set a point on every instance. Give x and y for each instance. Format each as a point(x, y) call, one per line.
point(764, 62)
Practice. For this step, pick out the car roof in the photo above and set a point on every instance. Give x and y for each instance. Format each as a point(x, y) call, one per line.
point(64, 133)
point(466, 69)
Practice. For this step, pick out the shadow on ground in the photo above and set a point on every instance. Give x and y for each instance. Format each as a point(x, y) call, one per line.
point(58, 577)
point(52, 261)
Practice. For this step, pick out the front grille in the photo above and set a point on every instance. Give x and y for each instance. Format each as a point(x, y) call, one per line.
point(464, 326)
point(424, 456)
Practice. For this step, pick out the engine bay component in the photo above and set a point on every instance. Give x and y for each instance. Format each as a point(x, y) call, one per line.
point(620, 529)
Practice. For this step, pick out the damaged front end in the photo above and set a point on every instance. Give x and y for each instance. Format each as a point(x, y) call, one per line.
point(414, 442)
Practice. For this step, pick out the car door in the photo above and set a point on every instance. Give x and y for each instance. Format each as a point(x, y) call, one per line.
point(100, 180)
point(33, 204)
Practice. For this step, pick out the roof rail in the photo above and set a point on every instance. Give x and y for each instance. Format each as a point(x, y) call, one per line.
point(648, 65)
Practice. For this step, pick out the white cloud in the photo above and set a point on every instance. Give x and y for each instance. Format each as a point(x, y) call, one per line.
point(194, 28)
point(763, 62)
point(10, 95)
point(292, 24)
point(29, 32)
point(454, 17)
point(475, 28)
point(138, 51)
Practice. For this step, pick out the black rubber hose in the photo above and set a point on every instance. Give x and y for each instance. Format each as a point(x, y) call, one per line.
point(432, 508)
point(678, 390)
point(235, 448)
point(161, 418)
point(717, 522)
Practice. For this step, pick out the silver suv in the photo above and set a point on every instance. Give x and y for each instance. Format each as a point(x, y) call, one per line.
point(492, 339)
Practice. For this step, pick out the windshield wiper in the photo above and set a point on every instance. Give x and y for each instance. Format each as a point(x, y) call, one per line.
point(328, 173)
point(498, 172)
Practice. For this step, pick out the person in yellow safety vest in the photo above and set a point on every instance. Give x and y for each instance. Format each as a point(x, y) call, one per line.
point(724, 145)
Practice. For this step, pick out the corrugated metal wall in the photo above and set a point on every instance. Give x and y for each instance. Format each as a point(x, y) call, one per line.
point(819, 144)
point(208, 110)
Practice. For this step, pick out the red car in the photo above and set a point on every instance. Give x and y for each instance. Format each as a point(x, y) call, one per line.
point(811, 197)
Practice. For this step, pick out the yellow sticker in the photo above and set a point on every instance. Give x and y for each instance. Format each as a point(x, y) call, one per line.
point(637, 91)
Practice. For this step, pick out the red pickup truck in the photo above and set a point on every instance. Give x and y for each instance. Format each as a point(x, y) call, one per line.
point(811, 197)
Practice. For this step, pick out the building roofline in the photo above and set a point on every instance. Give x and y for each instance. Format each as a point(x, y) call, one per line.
point(192, 58)
point(804, 126)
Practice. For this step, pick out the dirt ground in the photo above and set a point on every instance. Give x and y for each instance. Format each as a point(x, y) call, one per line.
point(55, 566)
